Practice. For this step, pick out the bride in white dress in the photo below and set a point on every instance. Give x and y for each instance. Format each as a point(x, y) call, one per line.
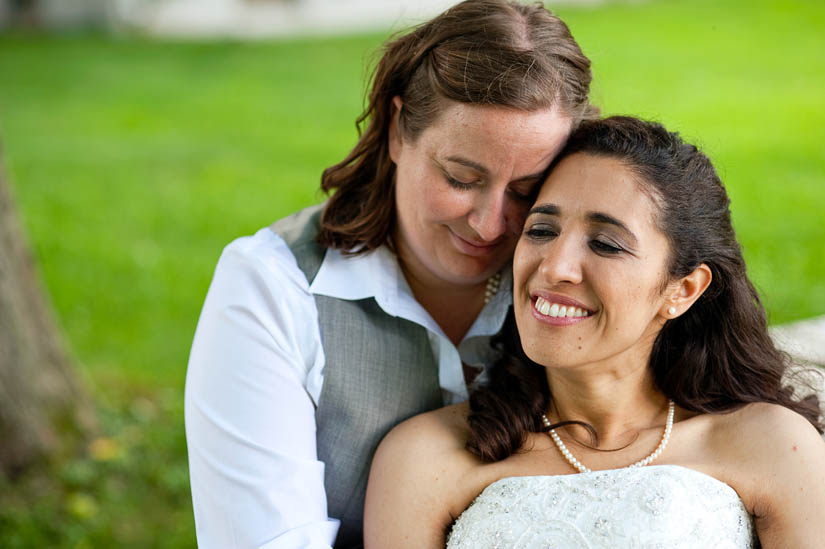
point(639, 401)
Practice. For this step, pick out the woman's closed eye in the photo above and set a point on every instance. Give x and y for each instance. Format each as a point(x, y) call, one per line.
point(459, 184)
point(540, 231)
point(605, 247)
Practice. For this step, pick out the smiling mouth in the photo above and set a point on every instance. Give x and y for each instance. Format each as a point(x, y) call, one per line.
point(557, 310)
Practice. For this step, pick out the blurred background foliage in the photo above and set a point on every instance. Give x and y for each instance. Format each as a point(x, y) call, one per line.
point(134, 161)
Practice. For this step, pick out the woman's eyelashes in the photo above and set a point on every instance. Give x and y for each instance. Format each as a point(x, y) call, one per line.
point(601, 245)
point(604, 247)
point(458, 184)
point(540, 231)
point(521, 192)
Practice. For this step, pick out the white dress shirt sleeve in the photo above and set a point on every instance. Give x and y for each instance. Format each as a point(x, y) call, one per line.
point(254, 372)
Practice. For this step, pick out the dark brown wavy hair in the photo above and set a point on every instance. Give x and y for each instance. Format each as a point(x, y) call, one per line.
point(485, 52)
point(716, 357)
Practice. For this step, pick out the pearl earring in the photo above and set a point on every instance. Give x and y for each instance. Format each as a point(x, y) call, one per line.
point(671, 310)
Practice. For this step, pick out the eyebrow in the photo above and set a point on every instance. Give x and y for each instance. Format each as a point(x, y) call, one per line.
point(593, 217)
point(546, 209)
point(483, 169)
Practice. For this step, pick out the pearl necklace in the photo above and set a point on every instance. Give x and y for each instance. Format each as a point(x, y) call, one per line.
point(493, 284)
point(571, 459)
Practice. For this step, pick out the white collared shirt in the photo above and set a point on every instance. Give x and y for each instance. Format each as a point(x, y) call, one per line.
point(254, 380)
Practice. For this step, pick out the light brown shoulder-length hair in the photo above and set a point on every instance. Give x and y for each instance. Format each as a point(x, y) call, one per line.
point(484, 52)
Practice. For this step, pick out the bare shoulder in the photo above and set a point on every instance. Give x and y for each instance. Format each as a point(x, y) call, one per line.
point(776, 462)
point(765, 435)
point(770, 428)
point(440, 430)
point(428, 447)
point(415, 480)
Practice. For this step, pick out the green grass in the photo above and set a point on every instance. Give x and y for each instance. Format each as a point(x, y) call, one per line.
point(133, 162)
point(745, 81)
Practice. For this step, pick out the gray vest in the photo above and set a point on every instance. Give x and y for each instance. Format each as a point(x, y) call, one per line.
point(379, 371)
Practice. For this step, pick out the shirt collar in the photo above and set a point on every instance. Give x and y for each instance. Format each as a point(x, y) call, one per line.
point(376, 274)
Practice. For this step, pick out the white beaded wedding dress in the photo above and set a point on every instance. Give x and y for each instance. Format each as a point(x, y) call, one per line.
point(646, 507)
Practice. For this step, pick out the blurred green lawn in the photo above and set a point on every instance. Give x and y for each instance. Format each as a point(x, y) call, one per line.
point(134, 162)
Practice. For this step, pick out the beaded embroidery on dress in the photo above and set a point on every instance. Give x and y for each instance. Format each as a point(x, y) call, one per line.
point(648, 507)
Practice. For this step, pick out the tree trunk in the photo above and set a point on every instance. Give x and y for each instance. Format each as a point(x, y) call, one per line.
point(43, 409)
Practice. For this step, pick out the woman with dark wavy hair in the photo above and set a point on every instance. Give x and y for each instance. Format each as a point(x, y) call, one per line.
point(322, 332)
point(639, 400)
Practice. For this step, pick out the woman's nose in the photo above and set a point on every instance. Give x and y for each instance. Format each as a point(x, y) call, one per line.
point(562, 262)
point(489, 217)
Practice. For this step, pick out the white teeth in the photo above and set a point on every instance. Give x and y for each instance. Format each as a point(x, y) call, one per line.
point(558, 311)
point(544, 308)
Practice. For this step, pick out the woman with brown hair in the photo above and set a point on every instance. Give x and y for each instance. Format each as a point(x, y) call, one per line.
point(322, 332)
point(639, 401)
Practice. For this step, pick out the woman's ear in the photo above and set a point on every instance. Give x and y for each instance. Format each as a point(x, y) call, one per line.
point(683, 293)
point(395, 129)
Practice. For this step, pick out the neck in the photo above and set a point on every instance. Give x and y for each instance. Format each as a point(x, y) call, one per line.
point(617, 404)
point(454, 307)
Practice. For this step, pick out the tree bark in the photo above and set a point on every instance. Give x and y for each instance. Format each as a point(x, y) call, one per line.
point(43, 409)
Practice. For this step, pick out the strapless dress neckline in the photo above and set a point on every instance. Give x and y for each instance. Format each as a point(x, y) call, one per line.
point(645, 507)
